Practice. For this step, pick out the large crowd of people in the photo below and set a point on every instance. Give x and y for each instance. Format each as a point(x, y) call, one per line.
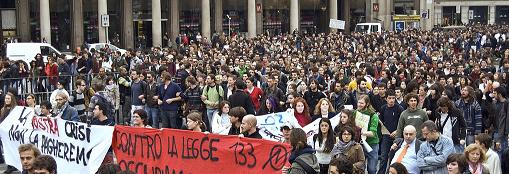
point(436, 100)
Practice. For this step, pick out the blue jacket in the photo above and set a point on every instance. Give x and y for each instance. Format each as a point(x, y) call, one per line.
point(432, 158)
point(473, 115)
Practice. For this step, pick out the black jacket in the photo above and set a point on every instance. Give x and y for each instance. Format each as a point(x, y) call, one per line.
point(254, 135)
point(242, 99)
point(458, 127)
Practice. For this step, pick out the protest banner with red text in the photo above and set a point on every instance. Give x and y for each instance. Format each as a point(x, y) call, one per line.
point(145, 150)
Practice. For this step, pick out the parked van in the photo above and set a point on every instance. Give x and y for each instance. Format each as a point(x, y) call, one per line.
point(99, 46)
point(368, 28)
point(27, 51)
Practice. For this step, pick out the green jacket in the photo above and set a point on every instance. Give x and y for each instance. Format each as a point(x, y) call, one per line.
point(373, 127)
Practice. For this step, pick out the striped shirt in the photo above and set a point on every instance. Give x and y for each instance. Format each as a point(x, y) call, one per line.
point(77, 100)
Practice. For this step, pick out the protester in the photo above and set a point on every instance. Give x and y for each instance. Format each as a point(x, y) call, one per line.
point(140, 119)
point(492, 162)
point(46, 109)
point(9, 105)
point(248, 127)
point(456, 164)
point(346, 118)
point(389, 116)
point(471, 112)
point(412, 115)
point(195, 123)
point(31, 103)
point(301, 111)
point(100, 117)
point(323, 142)
point(64, 110)
point(236, 116)
point(302, 157)
point(451, 123)
point(44, 164)
point(255, 93)
point(347, 148)
point(221, 120)
point(404, 151)
point(397, 168)
point(432, 154)
point(340, 165)
point(324, 109)
point(27, 154)
point(286, 130)
point(240, 98)
point(169, 94)
point(364, 107)
point(475, 156)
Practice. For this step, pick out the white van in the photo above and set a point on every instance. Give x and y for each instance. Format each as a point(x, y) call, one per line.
point(99, 46)
point(27, 51)
point(368, 28)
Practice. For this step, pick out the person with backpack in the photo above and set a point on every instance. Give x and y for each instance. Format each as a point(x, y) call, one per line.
point(404, 150)
point(302, 157)
point(138, 91)
point(212, 94)
point(100, 96)
point(451, 123)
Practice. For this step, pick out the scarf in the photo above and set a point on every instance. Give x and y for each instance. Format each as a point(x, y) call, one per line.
point(475, 168)
point(295, 154)
point(341, 147)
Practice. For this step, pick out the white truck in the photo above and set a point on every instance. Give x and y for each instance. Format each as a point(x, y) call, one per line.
point(27, 51)
point(368, 28)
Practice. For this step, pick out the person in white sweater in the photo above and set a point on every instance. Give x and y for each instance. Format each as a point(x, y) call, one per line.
point(492, 162)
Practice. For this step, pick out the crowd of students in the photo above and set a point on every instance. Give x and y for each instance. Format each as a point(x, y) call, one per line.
point(443, 88)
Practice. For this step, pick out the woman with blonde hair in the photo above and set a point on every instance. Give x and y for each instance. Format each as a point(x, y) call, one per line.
point(324, 109)
point(475, 156)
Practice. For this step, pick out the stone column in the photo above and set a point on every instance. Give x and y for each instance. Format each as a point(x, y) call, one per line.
point(346, 15)
point(157, 38)
point(464, 14)
point(23, 20)
point(294, 15)
point(259, 18)
point(438, 15)
point(251, 18)
point(369, 10)
point(422, 8)
point(491, 12)
point(45, 21)
point(382, 12)
point(102, 9)
point(205, 18)
point(77, 37)
point(127, 36)
point(218, 15)
point(174, 19)
point(333, 11)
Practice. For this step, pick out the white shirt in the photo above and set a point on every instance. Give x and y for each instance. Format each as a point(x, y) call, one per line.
point(410, 158)
point(492, 162)
point(323, 158)
point(447, 129)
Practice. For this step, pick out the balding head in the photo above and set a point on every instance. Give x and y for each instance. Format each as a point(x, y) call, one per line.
point(409, 134)
point(249, 124)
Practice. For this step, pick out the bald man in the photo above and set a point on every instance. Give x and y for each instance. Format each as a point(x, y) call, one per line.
point(248, 127)
point(404, 150)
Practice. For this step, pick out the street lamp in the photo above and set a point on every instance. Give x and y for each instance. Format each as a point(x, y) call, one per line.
point(229, 25)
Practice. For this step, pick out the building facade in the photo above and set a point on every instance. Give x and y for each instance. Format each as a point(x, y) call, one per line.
point(67, 24)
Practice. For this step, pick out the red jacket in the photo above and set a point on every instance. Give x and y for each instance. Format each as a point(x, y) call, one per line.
point(51, 71)
point(255, 95)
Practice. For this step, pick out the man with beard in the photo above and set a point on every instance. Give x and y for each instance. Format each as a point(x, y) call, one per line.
point(138, 90)
point(471, 112)
point(64, 110)
point(273, 90)
point(362, 89)
point(313, 95)
point(501, 119)
point(378, 100)
point(151, 106)
point(100, 78)
point(339, 97)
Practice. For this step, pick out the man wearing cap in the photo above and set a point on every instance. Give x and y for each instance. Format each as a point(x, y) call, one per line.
point(286, 129)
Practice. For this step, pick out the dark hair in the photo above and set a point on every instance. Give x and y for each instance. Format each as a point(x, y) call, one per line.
point(298, 139)
point(460, 159)
point(102, 107)
point(445, 102)
point(430, 125)
point(45, 162)
point(400, 168)
point(221, 105)
point(143, 115)
point(485, 139)
point(239, 84)
point(410, 96)
point(238, 112)
point(347, 129)
point(501, 90)
point(109, 168)
point(46, 104)
point(330, 141)
point(390, 92)
point(191, 80)
point(343, 164)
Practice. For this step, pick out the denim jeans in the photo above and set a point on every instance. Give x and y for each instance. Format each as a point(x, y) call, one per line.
point(210, 114)
point(372, 159)
point(502, 139)
point(169, 119)
point(385, 147)
point(153, 115)
point(459, 148)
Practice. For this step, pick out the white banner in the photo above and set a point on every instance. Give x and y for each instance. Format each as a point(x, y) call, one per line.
point(337, 24)
point(312, 128)
point(270, 124)
point(76, 147)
